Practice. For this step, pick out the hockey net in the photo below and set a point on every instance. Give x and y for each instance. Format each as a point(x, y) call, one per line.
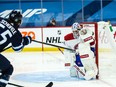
point(94, 27)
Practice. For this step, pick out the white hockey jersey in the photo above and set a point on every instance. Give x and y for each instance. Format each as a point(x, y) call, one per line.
point(72, 43)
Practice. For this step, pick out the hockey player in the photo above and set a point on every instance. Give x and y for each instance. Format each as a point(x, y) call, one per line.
point(81, 40)
point(9, 34)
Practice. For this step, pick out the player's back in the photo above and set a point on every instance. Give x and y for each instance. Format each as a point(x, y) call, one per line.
point(7, 31)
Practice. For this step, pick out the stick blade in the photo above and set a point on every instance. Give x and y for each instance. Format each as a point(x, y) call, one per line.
point(49, 85)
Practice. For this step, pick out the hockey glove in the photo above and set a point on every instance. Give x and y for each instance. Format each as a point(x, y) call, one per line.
point(27, 40)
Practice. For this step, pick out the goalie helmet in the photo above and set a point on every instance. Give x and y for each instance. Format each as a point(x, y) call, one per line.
point(15, 17)
point(76, 26)
point(75, 29)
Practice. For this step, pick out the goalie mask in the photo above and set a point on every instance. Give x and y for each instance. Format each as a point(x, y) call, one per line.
point(75, 29)
point(15, 17)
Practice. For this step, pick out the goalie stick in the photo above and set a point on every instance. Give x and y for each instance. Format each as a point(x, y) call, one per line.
point(79, 70)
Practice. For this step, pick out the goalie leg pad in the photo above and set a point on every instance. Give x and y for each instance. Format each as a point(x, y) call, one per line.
point(87, 59)
point(89, 75)
point(75, 73)
point(69, 58)
point(90, 67)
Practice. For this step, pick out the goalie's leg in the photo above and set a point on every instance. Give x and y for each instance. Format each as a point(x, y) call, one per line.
point(72, 59)
point(74, 72)
point(90, 67)
point(88, 61)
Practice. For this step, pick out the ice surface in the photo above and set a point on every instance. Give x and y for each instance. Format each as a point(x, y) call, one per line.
point(37, 69)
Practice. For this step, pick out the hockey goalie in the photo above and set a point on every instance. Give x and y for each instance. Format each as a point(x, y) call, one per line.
point(81, 40)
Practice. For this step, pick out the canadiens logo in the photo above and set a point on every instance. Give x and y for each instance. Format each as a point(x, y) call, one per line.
point(27, 13)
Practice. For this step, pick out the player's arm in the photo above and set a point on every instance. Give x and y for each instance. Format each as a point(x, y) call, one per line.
point(27, 40)
point(87, 36)
point(18, 42)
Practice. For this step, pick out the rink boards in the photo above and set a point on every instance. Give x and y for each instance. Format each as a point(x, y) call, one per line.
point(55, 36)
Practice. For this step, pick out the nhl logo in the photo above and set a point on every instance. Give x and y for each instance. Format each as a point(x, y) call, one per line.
point(59, 32)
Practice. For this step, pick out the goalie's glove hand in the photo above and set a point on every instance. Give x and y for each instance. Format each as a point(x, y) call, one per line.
point(27, 40)
point(83, 32)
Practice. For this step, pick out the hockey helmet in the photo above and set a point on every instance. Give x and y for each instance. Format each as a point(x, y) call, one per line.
point(75, 29)
point(76, 26)
point(15, 17)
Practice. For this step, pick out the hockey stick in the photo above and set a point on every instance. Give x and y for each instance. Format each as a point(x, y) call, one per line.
point(48, 85)
point(79, 70)
point(60, 50)
point(52, 45)
point(15, 84)
point(42, 43)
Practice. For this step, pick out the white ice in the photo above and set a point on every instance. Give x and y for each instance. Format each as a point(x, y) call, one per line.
point(37, 69)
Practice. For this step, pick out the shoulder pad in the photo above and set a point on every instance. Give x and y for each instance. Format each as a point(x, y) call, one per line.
point(69, 37)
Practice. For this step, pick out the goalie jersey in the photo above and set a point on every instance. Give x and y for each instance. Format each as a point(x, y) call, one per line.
point(72, 43)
